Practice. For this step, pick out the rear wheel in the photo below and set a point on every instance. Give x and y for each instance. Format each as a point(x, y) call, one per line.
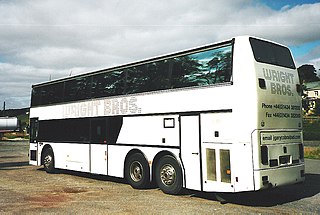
point(48, 161)
point(137, 171)
point(169, 175)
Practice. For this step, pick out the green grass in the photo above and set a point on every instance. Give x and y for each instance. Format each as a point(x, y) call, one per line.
point(14, 135)
point(312, 152)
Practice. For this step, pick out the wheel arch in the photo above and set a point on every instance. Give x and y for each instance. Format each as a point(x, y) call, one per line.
point(131, 152)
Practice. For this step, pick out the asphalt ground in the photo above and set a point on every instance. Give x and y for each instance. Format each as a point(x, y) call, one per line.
point(26, 189)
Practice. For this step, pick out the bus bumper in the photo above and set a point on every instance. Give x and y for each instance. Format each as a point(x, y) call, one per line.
point(268, 178)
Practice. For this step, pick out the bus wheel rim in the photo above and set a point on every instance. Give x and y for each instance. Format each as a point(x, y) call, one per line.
point(136, 169)
point(168, 175)
point(47, 160)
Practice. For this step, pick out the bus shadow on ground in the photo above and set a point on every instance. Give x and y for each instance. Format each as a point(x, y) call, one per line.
point(264, 198)
point(271, 197)
point(88, 175)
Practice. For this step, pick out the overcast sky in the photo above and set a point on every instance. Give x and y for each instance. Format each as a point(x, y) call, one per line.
point(43, 39)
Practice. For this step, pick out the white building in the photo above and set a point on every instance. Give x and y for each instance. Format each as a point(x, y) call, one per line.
point(313, 90)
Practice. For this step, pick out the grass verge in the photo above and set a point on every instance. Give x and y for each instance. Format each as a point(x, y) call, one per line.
point(312, 152)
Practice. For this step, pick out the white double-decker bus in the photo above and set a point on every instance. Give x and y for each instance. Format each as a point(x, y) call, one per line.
point(225, 117)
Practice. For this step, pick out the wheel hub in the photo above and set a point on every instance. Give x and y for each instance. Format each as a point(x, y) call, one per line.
point(136, 171)
point(168, 175)
point(47, 161)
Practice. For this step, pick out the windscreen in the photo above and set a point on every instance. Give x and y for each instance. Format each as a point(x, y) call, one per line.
point(270, 53)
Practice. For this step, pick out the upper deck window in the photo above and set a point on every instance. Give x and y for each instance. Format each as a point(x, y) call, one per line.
point(204, 67)
point(270, 53)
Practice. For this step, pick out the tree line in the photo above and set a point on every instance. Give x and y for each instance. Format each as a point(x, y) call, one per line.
point(308, 73)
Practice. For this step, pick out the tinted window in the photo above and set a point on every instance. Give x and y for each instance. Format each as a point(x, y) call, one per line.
point(106, 129)
point(77, 89)
point(204, 68)
point(75, 130)
point(49, 94)
point(36, 97)
point(108, 84)
point(266, 52)
point(149, 77)
point(207, 67)
point(98, 131)
point(33, 130)
point(81, 130)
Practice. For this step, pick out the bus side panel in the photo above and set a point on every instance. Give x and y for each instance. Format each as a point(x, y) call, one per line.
point(116, 157)
point(220, 144)
point(217, 151)
point(243, 167)
point(156, 132)
point(150, 130)
point(99, 159)
point(72, 156)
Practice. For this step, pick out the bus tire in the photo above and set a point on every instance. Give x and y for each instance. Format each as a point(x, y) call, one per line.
point(48, 161)
point(169, 175)
point(137, 171)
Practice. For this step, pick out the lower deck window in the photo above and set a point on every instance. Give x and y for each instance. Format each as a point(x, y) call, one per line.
point(81, 130)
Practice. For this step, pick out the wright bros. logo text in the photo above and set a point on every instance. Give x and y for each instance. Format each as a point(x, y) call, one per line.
point(280, 82)
point(121, 106)
point(106, 107)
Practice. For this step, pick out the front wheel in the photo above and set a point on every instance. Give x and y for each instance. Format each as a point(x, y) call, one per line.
point(48, 161)
point(169, 175)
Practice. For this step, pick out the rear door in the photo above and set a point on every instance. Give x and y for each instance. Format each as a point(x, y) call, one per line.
point(33, 153)
point(190, 150)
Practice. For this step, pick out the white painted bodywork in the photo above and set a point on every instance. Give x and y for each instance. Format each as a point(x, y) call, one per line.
point(233, 110)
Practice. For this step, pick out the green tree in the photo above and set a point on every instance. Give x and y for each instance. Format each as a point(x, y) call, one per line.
point(221, 64)
point(185, 71)
point(307, 73)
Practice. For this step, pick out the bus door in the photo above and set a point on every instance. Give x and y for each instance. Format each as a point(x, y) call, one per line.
point(190, 150)
point(34, 127)
point(98, 147)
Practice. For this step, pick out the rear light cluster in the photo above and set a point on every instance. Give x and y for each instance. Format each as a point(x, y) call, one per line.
point(264, 155)
point(301, 152)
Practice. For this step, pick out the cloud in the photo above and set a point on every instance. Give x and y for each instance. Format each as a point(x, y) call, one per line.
point(313, 57)
point(16, 83)
point(297, 25)
point(39, 39)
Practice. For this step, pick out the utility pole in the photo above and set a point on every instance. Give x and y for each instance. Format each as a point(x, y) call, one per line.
point(4, 108)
